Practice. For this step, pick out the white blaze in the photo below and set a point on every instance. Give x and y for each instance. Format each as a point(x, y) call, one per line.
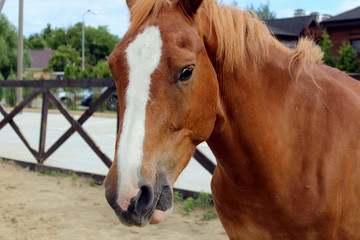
point(143, 56)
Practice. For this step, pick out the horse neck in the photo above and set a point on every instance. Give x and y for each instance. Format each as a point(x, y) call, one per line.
point(250, 93)
point(248, 100)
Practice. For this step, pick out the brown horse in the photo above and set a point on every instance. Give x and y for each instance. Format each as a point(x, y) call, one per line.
point(284, 128)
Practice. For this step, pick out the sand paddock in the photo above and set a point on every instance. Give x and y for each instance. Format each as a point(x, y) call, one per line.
point(35, 206)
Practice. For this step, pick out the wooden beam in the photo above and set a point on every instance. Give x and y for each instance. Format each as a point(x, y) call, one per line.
point(20, 107)
point(204, 161)
point(90, 111)
point(44, 115)
point(87, 114)
point(19, 133)
point(76, 125)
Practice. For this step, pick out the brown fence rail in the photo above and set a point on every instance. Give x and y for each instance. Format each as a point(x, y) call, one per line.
point(356, 76)
point(44, 87)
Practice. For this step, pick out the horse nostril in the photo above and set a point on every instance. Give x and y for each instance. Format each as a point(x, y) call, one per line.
point(144, 199)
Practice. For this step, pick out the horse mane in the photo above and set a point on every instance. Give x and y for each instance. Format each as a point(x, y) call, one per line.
point(238, 35)
point(242, 38)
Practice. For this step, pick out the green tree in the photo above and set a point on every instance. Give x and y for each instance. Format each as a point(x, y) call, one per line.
point(74, 36)
point(58, 38)
point(101, 70)
point(234, 3)
point(347, 60)
point(326, 45)
point(8, 48)
point(98, 41)
point(66, 55)
point(36, 41)
point(1, 89)
point(47, 32)
point(10, 92)
point(263, 11)
point(72, 72)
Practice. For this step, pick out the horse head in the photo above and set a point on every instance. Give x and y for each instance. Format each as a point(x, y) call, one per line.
point(167, 91)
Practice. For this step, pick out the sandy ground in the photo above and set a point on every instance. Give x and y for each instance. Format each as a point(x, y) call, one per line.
point(35, 206)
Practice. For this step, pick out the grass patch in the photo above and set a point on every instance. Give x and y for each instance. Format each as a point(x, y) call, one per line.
point(91, 182)
point(203, 201)
point(178, 197)
point(71, 174)
point(208, 215)
point(56, 174)
point(74, 176)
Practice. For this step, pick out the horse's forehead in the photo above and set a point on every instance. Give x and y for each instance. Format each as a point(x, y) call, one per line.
point(178, 31)
point(134, 51)
point(179, 40)
point(145, 49)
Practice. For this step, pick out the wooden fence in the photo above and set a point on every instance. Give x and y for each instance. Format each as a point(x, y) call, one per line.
point(356, 76)
point(44, 87)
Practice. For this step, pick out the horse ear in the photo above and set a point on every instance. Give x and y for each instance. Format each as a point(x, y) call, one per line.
point(190, 6)
point(130, 3)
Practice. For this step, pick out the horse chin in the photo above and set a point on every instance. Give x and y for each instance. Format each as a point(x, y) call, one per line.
point(159, 216)
point(163, 205)
point(160, 208)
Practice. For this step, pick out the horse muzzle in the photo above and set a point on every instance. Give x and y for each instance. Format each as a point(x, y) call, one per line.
point(149, 205)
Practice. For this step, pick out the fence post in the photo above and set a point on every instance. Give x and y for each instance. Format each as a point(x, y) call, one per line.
point(44, 114)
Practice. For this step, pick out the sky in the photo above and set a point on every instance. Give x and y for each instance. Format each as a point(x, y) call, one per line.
point(115, 15)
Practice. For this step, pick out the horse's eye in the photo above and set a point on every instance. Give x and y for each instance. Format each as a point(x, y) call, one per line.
point(186, 73)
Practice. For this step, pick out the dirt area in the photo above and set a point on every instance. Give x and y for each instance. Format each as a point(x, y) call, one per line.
point(37, 206)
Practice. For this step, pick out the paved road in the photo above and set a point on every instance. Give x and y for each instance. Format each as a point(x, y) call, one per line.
point(76, 155)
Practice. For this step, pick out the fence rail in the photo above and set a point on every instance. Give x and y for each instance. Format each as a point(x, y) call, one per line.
point(356, 76)
point(44, 87)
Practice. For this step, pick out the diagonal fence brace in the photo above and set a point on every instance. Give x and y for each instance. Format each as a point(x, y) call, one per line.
point(76, 126)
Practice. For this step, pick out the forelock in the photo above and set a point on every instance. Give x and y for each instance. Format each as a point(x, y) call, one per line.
point(143, 9)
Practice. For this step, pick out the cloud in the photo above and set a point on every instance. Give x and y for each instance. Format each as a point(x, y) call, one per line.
point(115, 15)
point(346, 6)
point(65, 13)
point(284, 13)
